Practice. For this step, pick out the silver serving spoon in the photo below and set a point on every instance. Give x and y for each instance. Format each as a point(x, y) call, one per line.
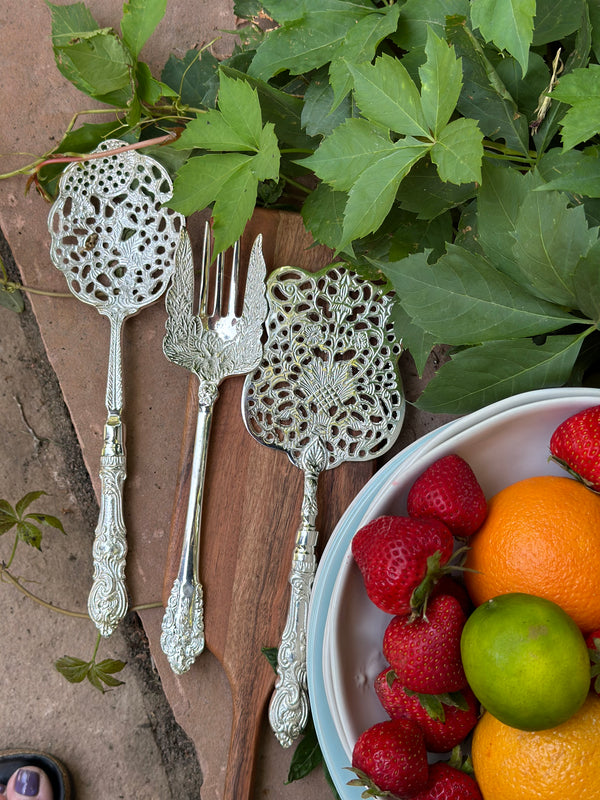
point(326, 391)
point(115, 242)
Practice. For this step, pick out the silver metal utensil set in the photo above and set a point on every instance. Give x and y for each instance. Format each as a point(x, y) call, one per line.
point(319, 355)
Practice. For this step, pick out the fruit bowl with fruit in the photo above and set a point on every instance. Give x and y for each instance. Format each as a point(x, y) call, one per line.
point(356, 640)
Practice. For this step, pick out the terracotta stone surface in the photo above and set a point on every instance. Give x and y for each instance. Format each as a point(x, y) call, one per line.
point(37, 104)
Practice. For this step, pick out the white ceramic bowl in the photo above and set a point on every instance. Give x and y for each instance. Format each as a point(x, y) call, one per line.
point(503, 443)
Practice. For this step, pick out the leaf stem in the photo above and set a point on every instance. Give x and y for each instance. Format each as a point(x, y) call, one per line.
point(11, 286)
point(4, 572)
point(12, 554)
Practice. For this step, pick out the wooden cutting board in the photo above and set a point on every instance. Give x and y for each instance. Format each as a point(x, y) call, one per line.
point(251, 513)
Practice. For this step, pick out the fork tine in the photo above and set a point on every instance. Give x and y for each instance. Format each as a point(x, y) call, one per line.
point(235, 279)
point(204, 271)
point(219, 285)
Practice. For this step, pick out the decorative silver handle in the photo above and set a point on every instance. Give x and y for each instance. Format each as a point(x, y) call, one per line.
point(107, 601)
point(288, 709)
point(182, 637)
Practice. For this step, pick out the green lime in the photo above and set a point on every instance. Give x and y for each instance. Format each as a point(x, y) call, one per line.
point(526, 661)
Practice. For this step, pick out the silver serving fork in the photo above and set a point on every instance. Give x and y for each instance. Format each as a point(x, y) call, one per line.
point(214, 344)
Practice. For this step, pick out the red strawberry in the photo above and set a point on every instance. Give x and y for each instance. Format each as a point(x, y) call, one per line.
point(444, 719)
point(593, 642)
point(448, 585)
point(449, 491)
point(391, 757)
point(425, 652)
point(449, 783)
point(400, 560)
point(575, 445)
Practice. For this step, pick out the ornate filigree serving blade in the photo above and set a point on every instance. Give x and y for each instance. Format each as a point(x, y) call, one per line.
point(327, 390)
point(213, 346)
point(115, 243)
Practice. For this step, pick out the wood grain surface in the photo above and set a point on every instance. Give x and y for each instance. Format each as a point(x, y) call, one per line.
point(250, 516)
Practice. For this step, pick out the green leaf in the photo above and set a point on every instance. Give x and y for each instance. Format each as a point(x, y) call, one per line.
point(199, 180)
point(319, 117)
point(425, 194)
point(270, 653)
point(70, 22)
point(265, 164)
point(26, 501)
point(75, 670)
point(343, 156)
point(238, 103)
point(502, 193)
point(8, 516)
point(233, 207)
point(387, 95)
point(210, 131)
point(195, 78)
point(507, 23)
point(29, 533)
point(484, 97)
point(555, 20)
point(418, 16)
point(577, 58)
point(573, 171)
point(99, 65)
point(581, 90)
point(323, 214)
point(550, 238)
point(370, 198)
point(140, 18)
point(104, 671)
point(413, 338)
point(458, 152)
point(150, 90)
point(463, 300)
point(48, 519)
point(309, 37)
point(12, 299)
point(480, 375)
point(586, 284)
point(441, 82)
point(282, 109)
point(524, 91)
point(307, 755)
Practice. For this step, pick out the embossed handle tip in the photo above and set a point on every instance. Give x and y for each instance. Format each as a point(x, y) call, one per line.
point(107, 602)
point(182, 636)
point(288, 709)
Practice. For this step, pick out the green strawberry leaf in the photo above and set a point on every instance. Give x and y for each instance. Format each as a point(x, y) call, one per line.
point(478, 376)
point(507, 23)
point(462, 299)
point(140, 18)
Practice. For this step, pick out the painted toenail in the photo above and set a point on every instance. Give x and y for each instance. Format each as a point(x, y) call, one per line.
point(27, 782)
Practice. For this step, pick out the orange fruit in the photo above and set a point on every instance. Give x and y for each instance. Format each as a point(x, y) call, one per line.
point(541, 536)
point(556, 764)
point(526, 661)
